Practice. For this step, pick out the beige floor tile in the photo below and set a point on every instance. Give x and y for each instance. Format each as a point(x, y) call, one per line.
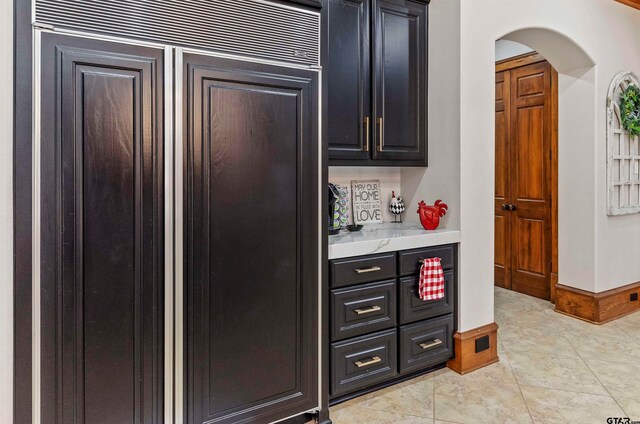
point(578, 327)
point(630, 325)
point(502, 403)
point(536, 341)
point(358, 415)
point(631, 407)
point(549, 406)
point(413, 397)
point(554, 372)
point(538, 320)
point(621, 380)
point(611, 347)
point(490, 395)
point(487, 379)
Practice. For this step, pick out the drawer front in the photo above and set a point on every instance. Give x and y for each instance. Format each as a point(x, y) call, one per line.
point(410, 259)
point(426, 343)
point(363, 309)
point(364, 269)
point(363, 361)
point(412, 308)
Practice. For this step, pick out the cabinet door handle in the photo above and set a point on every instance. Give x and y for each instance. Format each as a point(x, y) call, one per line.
point(380, 135)
point(367, 133)
point(434, 343)
point(371, 361)
point(368, 310)
point(505, 207)
point(365, 270)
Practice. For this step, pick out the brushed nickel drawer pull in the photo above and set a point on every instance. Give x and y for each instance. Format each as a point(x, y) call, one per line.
point(365, 270)
point(367, 310)
point(436, 342)
point(367, 137)
point(371, 361)
point(380, 135)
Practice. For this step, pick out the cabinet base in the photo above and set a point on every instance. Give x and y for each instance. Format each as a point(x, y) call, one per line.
point(466, 358)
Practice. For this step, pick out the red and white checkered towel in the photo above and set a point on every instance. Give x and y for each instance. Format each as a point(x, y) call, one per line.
point(431, 280)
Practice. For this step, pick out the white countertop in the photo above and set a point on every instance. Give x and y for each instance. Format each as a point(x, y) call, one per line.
point(379, 238)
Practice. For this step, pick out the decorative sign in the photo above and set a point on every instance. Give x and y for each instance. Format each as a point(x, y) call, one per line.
point(367, 205)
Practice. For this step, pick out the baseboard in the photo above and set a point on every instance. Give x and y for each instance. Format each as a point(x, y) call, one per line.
point(554, 285)
point(597, 308)
point(466, 359)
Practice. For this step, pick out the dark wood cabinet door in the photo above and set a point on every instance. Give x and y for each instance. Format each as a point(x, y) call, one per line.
point(400, 74)
point(348, 67)
point(251, 240)
point(102, 232)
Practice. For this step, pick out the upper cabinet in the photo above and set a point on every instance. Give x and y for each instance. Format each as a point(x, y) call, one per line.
point(376, 65)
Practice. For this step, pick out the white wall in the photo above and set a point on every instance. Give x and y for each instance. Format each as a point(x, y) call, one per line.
point(441, 180)
point(6, 212)
point(506, 49)
point(596, 252)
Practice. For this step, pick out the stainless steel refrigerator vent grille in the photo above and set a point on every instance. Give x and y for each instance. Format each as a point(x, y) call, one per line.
point(240, 27)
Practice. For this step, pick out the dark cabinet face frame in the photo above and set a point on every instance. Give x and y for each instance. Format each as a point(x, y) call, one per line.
point(147, 79)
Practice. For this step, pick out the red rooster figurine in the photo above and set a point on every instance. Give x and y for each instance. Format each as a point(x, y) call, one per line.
point(430, 215)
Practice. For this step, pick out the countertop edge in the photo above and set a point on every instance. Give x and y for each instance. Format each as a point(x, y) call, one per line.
point(370, 247)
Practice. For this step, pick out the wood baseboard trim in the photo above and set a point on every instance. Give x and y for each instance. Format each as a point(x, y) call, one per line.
point(466, 359)
point(632, 3)
point(554, 284)
point(597, 308)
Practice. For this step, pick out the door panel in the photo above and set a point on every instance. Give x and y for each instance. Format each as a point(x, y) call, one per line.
point(531, 150)
point(530, 247)
point(251, 276)
point(502, 252)
point(529, 145)
point(348, 65)
point(102, 230)
point(400, 65)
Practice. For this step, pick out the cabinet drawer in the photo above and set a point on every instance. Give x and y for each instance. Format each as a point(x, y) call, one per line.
point(426, 343)
point(412, 308)
point(363, 309)
point(410, 259)
point(363, 361)
point(364, 269)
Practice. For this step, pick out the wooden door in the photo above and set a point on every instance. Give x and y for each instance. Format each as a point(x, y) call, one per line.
point(502, 220)
point(400, 74)
point(251, 241)
point(531, 177)
point(102, 232)
point(348, 66)
point(525, 178)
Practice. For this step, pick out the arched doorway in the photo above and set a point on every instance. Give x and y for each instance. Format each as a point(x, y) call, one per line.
point(576, 74)
point(526, 124)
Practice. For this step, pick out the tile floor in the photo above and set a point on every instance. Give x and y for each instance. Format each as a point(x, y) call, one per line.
point(552, 369)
